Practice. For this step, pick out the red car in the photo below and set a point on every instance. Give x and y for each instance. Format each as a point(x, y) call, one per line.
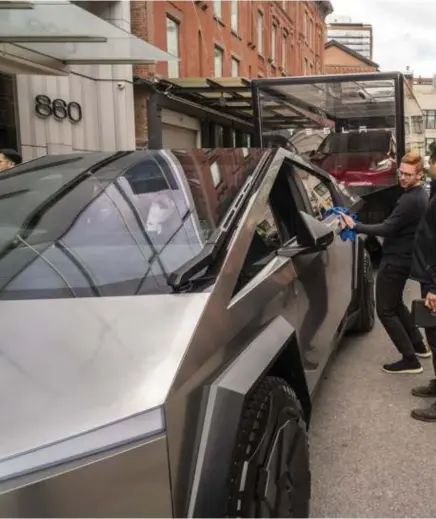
point(359, 158)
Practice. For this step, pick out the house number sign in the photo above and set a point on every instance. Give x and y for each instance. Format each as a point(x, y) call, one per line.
point(58, 108)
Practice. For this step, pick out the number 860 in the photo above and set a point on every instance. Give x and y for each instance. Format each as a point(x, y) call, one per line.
point(45, 107)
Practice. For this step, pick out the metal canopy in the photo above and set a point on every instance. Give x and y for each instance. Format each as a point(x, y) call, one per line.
point(70, 34)
point(233, 97)
point(344, 100)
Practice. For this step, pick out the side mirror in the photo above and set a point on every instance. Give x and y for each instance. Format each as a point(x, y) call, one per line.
point(312, 236)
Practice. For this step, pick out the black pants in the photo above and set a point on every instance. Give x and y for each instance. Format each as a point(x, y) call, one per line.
point(430, 333)
point(391, 310)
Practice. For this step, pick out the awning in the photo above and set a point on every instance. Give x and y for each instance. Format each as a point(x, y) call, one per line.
point(68, 33)
point(233, 97)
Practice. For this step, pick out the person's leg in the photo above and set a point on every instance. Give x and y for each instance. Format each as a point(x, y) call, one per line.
point(430, 389)
point(427, 414)
point(420, 348)
point(389, 293)
point(430, 333)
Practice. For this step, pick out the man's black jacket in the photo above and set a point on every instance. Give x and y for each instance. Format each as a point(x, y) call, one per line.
point(400, 227)
point(424, 251)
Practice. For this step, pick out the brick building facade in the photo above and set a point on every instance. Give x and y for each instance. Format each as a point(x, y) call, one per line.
point(339, 59)
point(227, 38)
point(291, 41)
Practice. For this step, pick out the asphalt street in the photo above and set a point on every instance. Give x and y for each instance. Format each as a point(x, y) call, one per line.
point(369, 458)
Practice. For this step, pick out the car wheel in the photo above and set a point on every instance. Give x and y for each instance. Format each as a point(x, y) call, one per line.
point(270, 475)
point(366, 320)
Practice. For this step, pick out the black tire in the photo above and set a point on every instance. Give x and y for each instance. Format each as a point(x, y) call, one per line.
point(366, 319)
point(271, 430)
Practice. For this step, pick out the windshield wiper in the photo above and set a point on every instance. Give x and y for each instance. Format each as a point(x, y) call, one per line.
point(182, 277)
point(13, 194)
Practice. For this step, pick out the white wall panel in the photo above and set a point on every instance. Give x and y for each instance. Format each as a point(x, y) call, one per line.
point(107, 110)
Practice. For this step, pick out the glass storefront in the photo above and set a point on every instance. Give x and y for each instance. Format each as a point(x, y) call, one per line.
point(8, 109)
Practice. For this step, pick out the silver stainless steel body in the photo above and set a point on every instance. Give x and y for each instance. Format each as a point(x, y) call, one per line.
point(128, 405)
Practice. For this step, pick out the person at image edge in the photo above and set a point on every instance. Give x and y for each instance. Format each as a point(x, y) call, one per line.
point(9, 158)
point(424, 271)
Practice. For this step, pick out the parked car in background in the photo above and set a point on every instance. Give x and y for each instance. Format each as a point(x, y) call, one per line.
point(166, 318)
point(359, 158)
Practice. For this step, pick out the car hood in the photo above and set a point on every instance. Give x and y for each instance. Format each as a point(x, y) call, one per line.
point(70, 366)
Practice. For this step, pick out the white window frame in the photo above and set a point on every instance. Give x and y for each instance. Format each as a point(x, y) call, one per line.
point(235, 62)
point(218, 9)
point(173, 66)
point(260, 35)
point(285, 36)
point(235, 15)
point(218, 51)
point(274, 43)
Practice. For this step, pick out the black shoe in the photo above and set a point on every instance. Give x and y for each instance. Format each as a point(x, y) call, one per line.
point(422, 350)
point(425, 415)
point(425, 391)
point(404, 366)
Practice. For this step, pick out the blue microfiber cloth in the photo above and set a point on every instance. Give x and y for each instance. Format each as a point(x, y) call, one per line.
point(347, 233)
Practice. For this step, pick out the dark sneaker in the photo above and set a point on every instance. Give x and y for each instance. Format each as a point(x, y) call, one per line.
point(425, 415)
point(425, 391)
point(404, 366)
point(422, 350)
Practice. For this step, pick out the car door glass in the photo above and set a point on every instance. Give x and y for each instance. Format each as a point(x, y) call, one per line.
point(317, 191)
point(266, 240)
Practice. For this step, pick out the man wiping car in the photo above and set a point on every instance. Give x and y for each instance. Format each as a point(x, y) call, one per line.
point(398, 231)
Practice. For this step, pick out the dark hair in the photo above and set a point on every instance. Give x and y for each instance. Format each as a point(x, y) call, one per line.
point(12, 155)
point(432, 148)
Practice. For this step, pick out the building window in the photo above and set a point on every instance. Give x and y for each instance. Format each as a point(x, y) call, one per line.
point(216, 174)
point(312, 32)
point(260, 33)
point(311, 69)
point(217, 9)
point(306, 66)
point(218, 62)
point(235, 67)
point(235, 19)
point(430, 119)
point(273, 43)
point(173, 47)
point(417, 124)
point(305, 28)
point(284, 50)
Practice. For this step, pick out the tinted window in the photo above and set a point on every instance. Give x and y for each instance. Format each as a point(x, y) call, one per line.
point(121, 229)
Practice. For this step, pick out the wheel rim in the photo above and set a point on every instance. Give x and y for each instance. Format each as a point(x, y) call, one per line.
point(282, 451)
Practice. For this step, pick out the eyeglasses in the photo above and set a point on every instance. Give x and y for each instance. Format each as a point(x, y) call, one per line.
point(404, 174)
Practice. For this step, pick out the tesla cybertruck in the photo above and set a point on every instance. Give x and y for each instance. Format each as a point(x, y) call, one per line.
point(166, 317)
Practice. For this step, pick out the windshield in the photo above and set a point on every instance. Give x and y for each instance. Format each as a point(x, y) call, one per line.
point(120, 229)
point(357, 142)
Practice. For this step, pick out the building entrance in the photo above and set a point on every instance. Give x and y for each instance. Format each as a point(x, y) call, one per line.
point(8, 126)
